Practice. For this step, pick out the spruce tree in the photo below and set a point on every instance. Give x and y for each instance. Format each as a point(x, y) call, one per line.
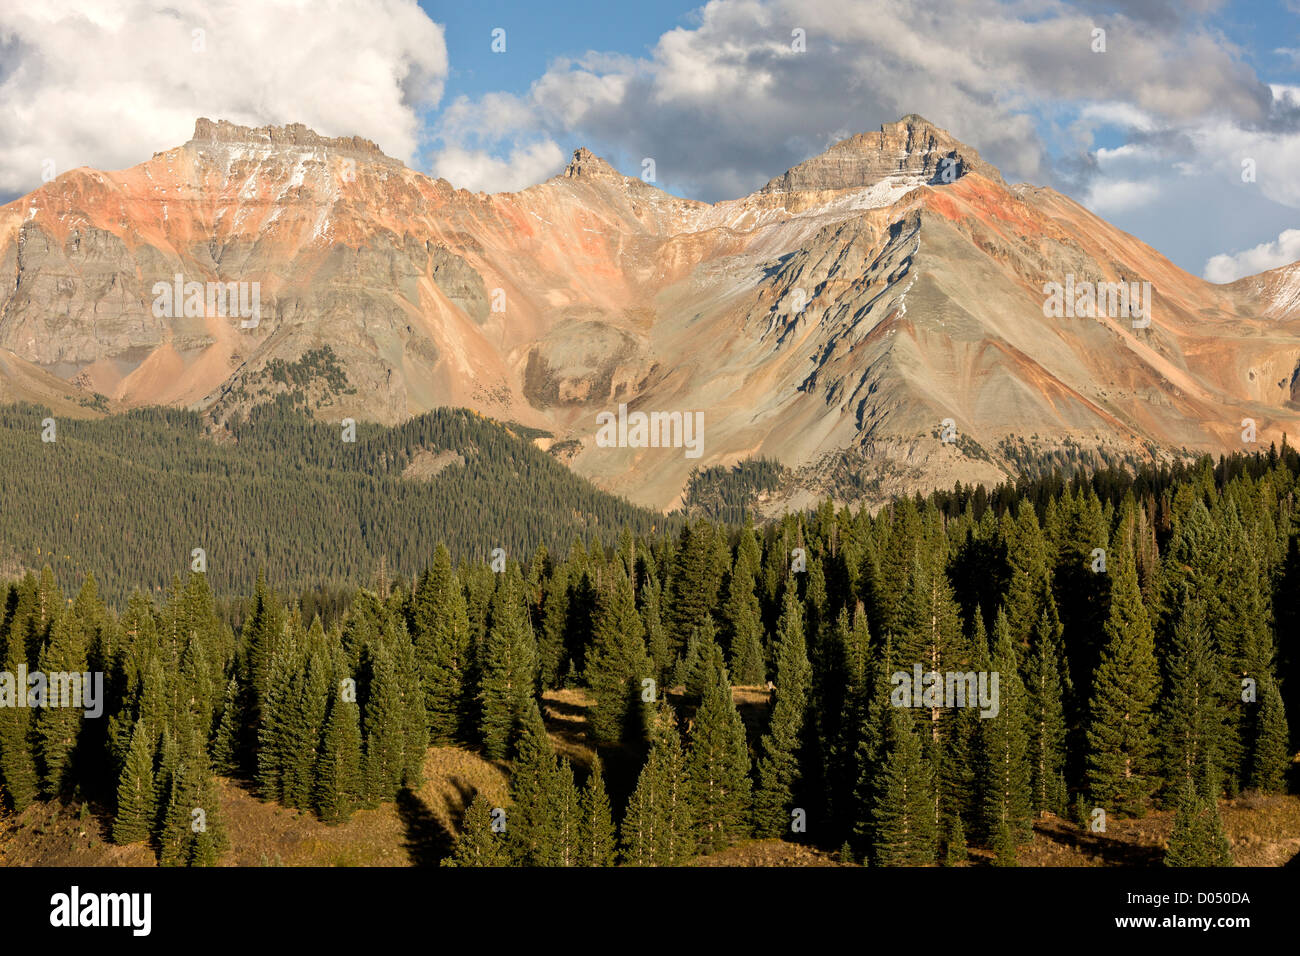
point(1270, 756)
point(1045, 670)
point(339, 786)
point(17, 761)
point(58, 725)
point(597, 832)
point(565, 847)
point(508, 670)
point(478, 844)
point(1005, 769)
point(192, 832)
point(903, 830)
point(1198, 838)
point(1191, 724)
point(717, 765)
point(442, 648)
point(656, 828)
point(778, 761)
point(1121, 748)
point(744, 622)
point(534, 826)
point(135, 792)
point(617, 663)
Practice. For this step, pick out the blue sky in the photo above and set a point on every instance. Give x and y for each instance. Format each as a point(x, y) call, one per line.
point(1150, 134)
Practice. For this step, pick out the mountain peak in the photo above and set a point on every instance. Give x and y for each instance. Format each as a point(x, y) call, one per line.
point(911, 149)
point(222, 132)
point(587, 165)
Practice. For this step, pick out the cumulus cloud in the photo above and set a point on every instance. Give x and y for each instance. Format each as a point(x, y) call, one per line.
point(480, 171)
point(726, 103)
point(1267, 255)
point(107, 83)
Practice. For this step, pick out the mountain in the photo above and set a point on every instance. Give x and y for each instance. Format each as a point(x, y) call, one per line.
point(831, 321)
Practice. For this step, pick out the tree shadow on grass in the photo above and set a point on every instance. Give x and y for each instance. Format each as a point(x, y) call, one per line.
point(427, 840)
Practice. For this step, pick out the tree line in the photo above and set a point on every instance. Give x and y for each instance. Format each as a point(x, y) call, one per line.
point(1142, 628)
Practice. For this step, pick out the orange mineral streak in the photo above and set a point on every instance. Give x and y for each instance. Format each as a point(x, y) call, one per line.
point(845, 307)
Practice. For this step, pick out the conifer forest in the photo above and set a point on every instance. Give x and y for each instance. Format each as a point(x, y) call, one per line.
point(944, 680)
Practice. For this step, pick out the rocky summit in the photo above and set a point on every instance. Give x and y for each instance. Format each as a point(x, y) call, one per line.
point(876, 319)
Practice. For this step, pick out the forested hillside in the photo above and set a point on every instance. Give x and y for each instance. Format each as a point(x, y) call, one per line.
point(1143, 630)
point(128, 498)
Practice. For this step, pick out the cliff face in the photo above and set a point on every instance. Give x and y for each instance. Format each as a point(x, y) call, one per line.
point(832, 320)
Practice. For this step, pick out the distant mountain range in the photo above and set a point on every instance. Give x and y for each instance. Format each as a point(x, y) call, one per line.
point(887, 316)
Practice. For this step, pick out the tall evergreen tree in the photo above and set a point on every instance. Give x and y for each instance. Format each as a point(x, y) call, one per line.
point(744, 621)
point(1198, 838)
point(1120, 742)
point(597, 833)
point(1191, 723)
point(478, 844)
point(657, 828)
point(1045, 670)
point(1005, 770)
point(135, 791)
point(508, 670)
point(442, 647)
point(717, 765)
point(534, 818)
point(778, 762)
point(1270, 756)
point(903, 830)
point(339, 785)
point(617, 663)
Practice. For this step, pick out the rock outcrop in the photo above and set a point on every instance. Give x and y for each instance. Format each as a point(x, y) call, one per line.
point(845, 319)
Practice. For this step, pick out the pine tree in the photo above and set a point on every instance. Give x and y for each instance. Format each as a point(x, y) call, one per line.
point(478, 844)
point(1005, 770)
point(616, 664)
point(1271, 756)
point(955, 850)
point(744, 622)
point(1121, 747)
point(135, 792)
point(192, 833)
point(693, 587)
point(1045, 670)
point(388, 757)
point(58, 725)
point(565, 847)
point(1198, 838)
point(17, 762)
point(442, 646)
point(903, 830)
point(508, 670)
point(597, 832)
point(656, 828)
point(656, 635)
point(717, 765)
point(1191, 723)
point(778, 762)
point(339, 787)
point(534, 826)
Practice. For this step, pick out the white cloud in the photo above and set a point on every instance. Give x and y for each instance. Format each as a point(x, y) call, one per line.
point(106, 83)
point(725, 104)
point(1108, 197)
point(1267, 255)
point(479, 171)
